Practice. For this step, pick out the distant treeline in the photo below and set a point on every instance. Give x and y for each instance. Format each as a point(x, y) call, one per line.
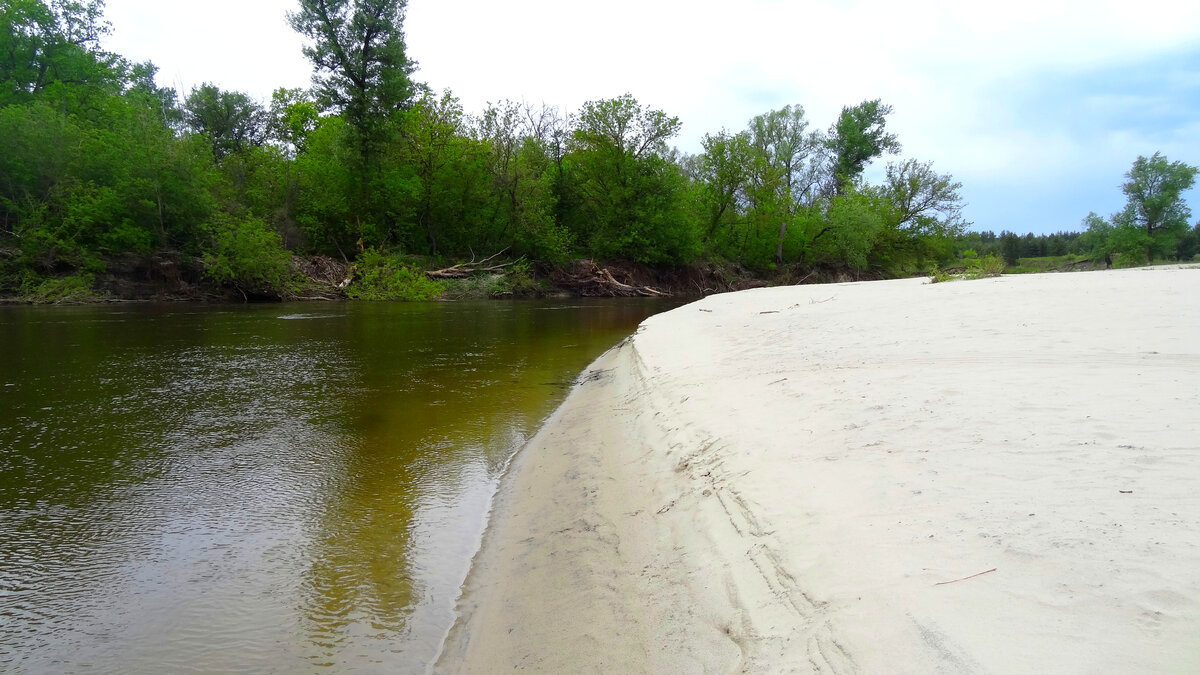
point(98, 163)
point(1154, 225)
point(1096, 243)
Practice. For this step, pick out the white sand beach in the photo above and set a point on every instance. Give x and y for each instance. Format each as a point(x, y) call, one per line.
point(1000, 475)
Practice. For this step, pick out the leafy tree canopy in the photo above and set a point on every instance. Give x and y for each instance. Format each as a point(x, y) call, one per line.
point(357, 48)
point(231, 120)
point(58, 42)
point(623, 125)
point(1154, 187)
point(923, 199)
point(858, 136)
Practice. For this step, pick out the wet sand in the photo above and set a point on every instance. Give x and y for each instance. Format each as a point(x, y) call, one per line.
point(999, 475)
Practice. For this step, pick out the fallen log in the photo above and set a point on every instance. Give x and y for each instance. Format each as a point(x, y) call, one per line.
point(464, 270)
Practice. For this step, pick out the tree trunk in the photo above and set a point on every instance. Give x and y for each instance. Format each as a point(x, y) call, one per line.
point(779, 245)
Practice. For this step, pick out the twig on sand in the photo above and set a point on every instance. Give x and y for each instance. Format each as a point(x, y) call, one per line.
point(817, 302)
point(942, 583)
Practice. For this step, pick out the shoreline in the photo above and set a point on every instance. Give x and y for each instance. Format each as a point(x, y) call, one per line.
point(996, 474)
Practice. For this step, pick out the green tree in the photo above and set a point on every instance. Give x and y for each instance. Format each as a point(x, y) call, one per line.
point(858, 136)
point(1010, 247)
point(1154, 188)
point(246, 254)
point(1129, 245)
point(45, 44)
point(621, 126)
point(449, 169)
point(293, 115)
point(362, 69)
point(924, 200)
point(785, 168)
point(72, 189)
point(849, 230)
point(231, 120)
point(1189, 244)
point(522, 168)
point(629, 195)
point(327, 193)
point(1097, 238)
point(724, 168)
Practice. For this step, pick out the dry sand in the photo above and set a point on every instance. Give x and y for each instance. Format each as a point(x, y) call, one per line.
point(782, 480)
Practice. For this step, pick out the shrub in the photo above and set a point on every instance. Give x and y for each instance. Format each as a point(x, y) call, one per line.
point(378, 276)
point(987, 266)
point(975, 268)
point(1129, 246)
point(519, 281)
point(246, 253)
point(937, 276)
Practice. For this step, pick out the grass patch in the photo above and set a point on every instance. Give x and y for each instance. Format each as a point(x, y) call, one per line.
point(1050, 263)
point(59, 290)
point(474, 287)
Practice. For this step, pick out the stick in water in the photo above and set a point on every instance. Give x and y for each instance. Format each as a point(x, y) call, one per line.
point(942, 583)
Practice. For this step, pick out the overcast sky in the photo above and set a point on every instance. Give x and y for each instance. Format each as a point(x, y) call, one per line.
point(1038, 107)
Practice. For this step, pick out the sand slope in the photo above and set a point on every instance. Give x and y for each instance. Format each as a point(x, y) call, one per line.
point(782, 480)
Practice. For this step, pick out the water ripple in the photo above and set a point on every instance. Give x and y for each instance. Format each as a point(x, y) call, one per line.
point(214, 489)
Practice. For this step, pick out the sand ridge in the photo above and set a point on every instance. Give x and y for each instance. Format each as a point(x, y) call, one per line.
point(987, 476)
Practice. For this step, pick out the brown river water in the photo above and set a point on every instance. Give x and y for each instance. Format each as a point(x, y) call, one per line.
point(273, 488)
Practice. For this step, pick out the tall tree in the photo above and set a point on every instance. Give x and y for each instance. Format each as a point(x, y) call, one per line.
point(858, 136)
point(447, 163)
point(786, 174)
point(519, 139)
point(231, 120)
point(724, 169)
point(629, 194)
point(622, 126)
point(1010, 246)
point(42, 43)
point(291, 118)
point(362, 70)
point(924, 200)
point(1154, 189)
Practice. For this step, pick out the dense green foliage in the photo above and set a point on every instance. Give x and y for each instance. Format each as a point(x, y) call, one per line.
point(778, 194)
point(387, 277)
point(97, 162)
point(859, 136)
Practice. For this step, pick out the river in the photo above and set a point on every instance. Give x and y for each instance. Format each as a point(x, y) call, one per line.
point(272, 488)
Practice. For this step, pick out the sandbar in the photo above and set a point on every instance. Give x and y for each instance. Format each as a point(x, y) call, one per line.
point(996, 475)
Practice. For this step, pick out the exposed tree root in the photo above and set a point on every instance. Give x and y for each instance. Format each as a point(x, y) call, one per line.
point(589, 279)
